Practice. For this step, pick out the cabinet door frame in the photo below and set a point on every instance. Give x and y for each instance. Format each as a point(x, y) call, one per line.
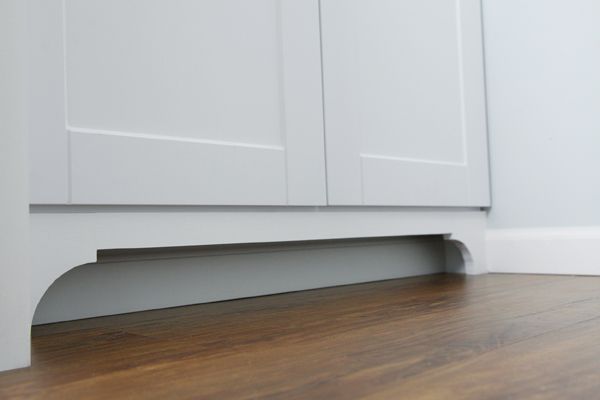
point(357, 177)
point(60, 176)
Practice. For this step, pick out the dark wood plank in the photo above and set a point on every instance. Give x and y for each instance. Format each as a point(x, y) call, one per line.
point(440, 336)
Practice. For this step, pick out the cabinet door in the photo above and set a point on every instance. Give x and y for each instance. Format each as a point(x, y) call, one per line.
point(404, 102)
point(176, 102)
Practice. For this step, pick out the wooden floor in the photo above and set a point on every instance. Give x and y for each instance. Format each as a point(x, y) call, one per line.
point(436, 337)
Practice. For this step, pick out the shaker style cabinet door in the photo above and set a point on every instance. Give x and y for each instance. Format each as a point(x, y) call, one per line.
point(404, 102)
point(176, 102)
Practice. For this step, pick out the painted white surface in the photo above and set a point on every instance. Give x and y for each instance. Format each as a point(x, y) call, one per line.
point(404, 102)
point(559, 250)
point(14, 214)
point(48, 139)
point(66, 237)
point(543, 85)
point(210, 82)
point(174, 278)
point(202, 70)
point(120, 168)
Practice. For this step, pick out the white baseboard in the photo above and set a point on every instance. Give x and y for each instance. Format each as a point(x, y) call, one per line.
point(565, 251)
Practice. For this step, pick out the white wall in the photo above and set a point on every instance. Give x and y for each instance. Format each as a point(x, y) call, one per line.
point(14, 197)
point(543, 86)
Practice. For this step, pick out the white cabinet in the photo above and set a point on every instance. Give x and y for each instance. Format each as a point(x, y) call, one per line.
point(404, 101)
point(177, 102)
point(242, 103)
point(220, 102)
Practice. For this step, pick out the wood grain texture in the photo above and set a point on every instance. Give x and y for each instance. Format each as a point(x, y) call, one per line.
point(433, 337)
